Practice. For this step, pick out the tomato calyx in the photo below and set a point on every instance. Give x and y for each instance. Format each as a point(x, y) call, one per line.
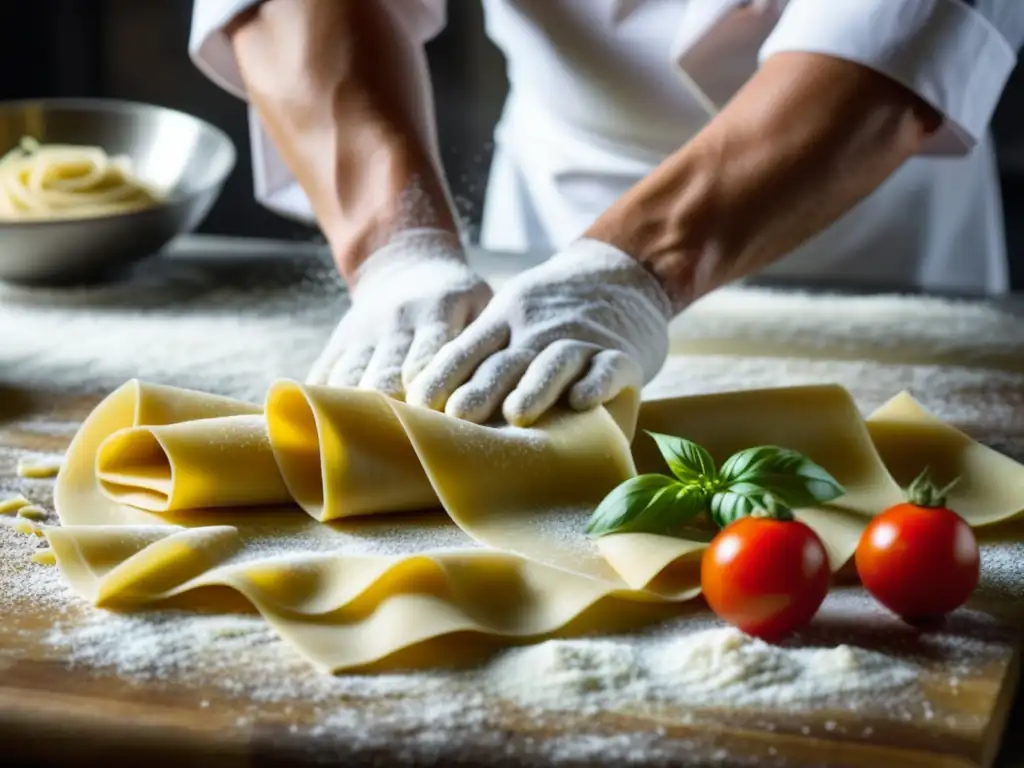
point(771, 509)
point(922, 492)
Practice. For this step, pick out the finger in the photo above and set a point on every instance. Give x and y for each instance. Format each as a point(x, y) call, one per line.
point(547, 378)
point(611, 372)
point(478, 399)
point(321, 368)
point(449, 318)
point(461, 309)
point(425, 345)
point(320, 371)
point(384, 371)
point(349, 368)
point(454, 364)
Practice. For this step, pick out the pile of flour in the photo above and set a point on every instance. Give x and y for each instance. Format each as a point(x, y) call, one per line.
point(718, 667)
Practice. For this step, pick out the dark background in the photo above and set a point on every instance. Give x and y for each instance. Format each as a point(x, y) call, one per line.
point(137, 49)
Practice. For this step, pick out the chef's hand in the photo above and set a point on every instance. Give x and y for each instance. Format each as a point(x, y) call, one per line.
point(590, 323)
point(409, 298)
point(372, 174)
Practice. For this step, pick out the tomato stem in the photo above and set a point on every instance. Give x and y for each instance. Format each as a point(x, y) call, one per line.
point(924, 493)
point(773, 509)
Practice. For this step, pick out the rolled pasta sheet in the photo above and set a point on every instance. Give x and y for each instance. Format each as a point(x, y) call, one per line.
point(204, 464)
point(343, 452)
point(134, 404)
point(524, 494)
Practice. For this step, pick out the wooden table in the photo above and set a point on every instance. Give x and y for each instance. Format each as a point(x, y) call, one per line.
point(50, 714)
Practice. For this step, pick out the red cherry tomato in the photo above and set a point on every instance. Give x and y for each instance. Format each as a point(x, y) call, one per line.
point(765, 576)
point(919, 562)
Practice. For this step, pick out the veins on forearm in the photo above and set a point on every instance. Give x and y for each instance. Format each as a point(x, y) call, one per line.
point(341, 92)
point(803, 142)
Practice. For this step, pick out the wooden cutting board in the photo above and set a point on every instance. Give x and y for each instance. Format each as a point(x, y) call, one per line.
point(53, 713)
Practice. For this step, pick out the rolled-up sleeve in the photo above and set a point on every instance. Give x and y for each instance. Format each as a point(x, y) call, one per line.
point(955, 54)
point(209, 45)
point(212, 53)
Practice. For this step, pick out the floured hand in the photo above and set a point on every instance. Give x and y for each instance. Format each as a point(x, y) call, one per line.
point(410, 298)
point(590, 322)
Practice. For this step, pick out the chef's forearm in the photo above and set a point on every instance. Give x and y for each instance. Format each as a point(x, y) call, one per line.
point(345, 97)
point(806, 139)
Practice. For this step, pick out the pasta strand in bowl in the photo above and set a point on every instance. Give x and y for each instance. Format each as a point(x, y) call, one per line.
point(67, 181)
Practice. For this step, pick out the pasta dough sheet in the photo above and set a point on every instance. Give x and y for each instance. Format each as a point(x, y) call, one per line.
point(360, 526)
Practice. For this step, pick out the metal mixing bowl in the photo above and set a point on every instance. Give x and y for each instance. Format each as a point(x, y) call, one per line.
point(174, 151)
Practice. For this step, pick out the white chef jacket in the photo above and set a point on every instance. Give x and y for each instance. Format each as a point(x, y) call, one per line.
point(601, 91)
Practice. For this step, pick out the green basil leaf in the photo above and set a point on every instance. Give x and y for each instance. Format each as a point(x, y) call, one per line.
point(738, 500)
point(791, 477)
point(647, 504)
point(687, 460)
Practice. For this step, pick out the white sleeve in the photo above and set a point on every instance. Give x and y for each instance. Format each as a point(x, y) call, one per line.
point(955, 54)
point(209, 46)
point(211, 51)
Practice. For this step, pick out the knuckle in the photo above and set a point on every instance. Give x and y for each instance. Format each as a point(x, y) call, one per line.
point(430, 339)
point(474, 290)
point(563, 348)
point(614, 358)
point(404, 315)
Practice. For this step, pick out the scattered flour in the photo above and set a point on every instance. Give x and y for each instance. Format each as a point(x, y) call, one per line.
point(194, 318)
point(294, 532)
point(918, 330)
point(199, 320)
point(1002, 575)
point(25, 586)
point(714, 668)
point(666, 670)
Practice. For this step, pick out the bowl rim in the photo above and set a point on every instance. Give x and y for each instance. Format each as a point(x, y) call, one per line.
point(124, 105)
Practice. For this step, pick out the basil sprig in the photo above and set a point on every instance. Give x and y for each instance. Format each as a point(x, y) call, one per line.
point(748, 481)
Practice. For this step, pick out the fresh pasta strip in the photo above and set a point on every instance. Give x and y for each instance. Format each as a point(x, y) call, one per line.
point(44, 557)
point(62, 181)
point(38, 469)
point(32, 512)
point(407, 525)
point(175, 467)
point(27, 527)
point(12, 505)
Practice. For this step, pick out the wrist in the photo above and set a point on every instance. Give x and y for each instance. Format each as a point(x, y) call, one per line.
point(436, 249)
point(383, 188)
point(668, 224)
point(344, 93)
point(601, 262)
point(802, 143)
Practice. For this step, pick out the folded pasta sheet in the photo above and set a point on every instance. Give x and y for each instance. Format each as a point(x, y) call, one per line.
point(360, 526)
